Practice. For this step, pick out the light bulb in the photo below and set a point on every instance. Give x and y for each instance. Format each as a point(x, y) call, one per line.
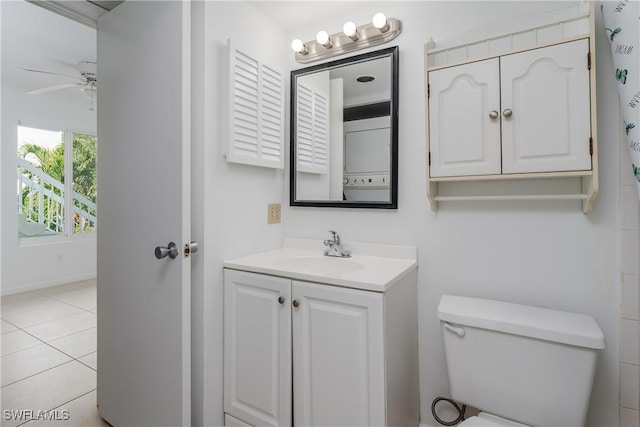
point(299, 47)
point(380, 22)
point(323, 38)
point(350, 30)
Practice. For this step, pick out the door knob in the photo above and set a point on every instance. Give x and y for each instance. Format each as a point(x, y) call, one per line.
point(281, 300)
point(296, 303)
point(162, 251)
point(507, 113)
point(493, 115)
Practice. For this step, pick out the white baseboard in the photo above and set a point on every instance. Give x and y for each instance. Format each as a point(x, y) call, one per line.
point(4, 291)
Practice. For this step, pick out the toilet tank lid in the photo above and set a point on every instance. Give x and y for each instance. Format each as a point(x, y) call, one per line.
point(535, 322)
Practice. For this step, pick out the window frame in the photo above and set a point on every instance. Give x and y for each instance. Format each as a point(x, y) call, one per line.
point(68, 234)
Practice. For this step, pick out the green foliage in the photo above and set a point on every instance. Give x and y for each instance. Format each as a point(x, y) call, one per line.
point(84, 165)
point(52, 162)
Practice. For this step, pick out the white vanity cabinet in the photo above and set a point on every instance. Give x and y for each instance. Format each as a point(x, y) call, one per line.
point(301, 353)
point(257, 348)
point(526, 112)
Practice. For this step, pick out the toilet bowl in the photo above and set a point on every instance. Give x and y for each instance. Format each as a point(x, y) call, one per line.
point(520, 365)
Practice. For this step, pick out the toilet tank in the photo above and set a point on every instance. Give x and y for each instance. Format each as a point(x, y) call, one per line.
point(528, 364)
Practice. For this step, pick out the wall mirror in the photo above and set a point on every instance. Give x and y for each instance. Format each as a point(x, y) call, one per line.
point(344, 132)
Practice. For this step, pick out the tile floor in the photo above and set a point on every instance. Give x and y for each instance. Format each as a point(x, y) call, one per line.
point(48, 357)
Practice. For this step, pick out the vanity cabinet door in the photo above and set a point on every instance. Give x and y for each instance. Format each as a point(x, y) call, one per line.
point(464, 121)
point(338, 355)
point(546, 113)
point(257, 348)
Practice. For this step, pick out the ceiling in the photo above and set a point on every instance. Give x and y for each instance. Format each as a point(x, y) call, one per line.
point(35, 38)
point(86, 12)
point(292, 15)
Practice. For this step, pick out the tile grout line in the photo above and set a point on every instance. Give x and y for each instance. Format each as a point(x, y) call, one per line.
point(42, 341)
point(53, 320)
point(76, 359)
point(60, 406)
point(38, 373)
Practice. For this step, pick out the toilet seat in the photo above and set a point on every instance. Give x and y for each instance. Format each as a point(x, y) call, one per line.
point(484, 419)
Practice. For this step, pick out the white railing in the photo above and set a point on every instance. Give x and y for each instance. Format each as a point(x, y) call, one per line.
point(41, 200)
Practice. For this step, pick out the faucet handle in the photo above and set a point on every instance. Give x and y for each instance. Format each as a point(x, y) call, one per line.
point(335, 236)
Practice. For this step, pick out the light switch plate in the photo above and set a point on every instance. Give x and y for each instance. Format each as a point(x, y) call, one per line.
point(273, 213)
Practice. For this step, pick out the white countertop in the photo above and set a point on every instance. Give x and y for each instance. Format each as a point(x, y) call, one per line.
point(371, 267)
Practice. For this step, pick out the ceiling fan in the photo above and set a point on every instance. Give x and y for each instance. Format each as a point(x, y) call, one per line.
point(87, 80)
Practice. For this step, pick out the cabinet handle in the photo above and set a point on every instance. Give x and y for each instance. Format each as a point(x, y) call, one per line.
point(281, 300)
point(296, 303)
point(493, 115)
point(507, 113)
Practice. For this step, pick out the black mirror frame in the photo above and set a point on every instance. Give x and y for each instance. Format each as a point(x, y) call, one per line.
point(393, 52)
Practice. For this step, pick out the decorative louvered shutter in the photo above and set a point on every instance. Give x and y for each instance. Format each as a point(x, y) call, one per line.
point(256, 111)
point(312, 131)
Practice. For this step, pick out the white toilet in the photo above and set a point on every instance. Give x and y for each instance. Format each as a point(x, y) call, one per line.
point(520, 364)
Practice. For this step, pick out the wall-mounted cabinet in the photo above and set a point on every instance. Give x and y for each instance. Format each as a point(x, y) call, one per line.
point(255, 100)
point(515, 114)
point(328, 354)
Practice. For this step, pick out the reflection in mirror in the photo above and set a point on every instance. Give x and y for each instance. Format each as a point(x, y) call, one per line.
point(344, 134)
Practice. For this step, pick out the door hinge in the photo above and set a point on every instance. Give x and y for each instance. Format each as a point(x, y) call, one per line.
point(589, 60)
point(429, 158)
point(590, 146)
point(429, 90)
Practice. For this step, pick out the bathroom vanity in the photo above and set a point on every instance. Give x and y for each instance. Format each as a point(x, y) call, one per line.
point(317, 340)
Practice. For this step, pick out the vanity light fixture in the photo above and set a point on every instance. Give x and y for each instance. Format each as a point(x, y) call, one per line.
point(352, 38)
point(299, 47)
point(380, 22)
point(350, 30)
point(323, 38)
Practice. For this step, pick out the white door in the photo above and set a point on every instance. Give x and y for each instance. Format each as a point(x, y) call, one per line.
point(257, 348)
point(144, 345)
point(464, 120)
point(338, 356)
point(546, 115)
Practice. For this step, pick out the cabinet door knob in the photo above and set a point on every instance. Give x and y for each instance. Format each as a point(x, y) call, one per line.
point(507, 113)
point(296, 303)
point(493, 115)
point(281, 300)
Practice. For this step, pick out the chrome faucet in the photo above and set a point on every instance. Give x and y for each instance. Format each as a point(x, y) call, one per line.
point(334, 247)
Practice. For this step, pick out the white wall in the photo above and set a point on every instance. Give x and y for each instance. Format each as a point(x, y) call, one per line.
point(31, 263)
point(230, 200)
point(540, 253)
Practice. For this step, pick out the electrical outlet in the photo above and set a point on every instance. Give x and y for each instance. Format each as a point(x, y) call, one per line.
point(273, 213)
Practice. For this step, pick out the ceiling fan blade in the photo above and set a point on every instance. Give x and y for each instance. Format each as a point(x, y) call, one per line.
point(51, 72)
point(52, 88)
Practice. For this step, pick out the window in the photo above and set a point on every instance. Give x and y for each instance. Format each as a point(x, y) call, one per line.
point(56, 185)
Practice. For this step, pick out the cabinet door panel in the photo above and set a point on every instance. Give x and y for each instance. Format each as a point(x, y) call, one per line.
point(257, 348)
point(547, 90)
point(463, 138)
point(338, 356)
point(230, 421)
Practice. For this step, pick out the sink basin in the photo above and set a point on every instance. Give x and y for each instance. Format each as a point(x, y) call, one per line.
point(318, 264)
point(373, 267)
